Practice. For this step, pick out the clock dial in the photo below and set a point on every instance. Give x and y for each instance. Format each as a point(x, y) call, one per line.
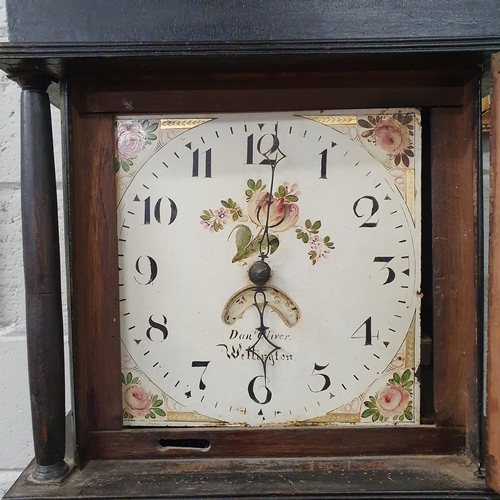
point(330, 222)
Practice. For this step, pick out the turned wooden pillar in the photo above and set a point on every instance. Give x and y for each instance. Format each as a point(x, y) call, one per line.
point(44, 325)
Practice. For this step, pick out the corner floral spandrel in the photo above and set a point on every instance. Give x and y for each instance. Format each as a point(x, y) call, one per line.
point(393, 134)
point(280, 211)
point(392, 402)
point(132, 136)
point(137, 402)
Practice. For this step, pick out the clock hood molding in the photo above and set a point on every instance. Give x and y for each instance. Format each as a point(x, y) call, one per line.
point(429, 24)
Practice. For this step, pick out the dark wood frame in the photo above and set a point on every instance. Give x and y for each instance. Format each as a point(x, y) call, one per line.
point(448, 92)
point(493, 389)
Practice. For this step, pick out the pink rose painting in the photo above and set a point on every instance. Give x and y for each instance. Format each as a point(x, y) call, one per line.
point(131, 137)
point(137, 402)
point(393, 402)
point(393, 134)
point(282, 215)
point(279, 211)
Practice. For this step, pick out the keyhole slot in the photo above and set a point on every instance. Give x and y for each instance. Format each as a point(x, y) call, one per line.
point(202, 445)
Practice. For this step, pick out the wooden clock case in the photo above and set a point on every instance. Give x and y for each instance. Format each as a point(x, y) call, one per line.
point(443, 456)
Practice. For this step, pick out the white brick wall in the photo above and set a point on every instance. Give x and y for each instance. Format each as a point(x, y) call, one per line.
point(16, 449)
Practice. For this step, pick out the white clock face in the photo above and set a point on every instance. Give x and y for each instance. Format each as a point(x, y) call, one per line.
point(343, 252)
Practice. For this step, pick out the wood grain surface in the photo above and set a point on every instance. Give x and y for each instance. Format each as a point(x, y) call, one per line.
point(493, 390)
point(370, 478)
point(278, 442)
point(452, 146)
point(383, 25)
point(453, 193)
point(94, 275)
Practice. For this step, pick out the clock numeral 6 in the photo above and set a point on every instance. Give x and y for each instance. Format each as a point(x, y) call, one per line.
point(157, 212)
point(374, 209)
point(160, 329)
point(151, 272)
point(326, 379)
point(267, 392)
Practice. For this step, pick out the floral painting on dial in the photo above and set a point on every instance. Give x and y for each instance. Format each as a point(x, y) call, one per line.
point(144, 403)
point(393, 402)
point(390, 399)
point(392, 133)
point(279, 210)
point(132, 136)
point(390, 136)
point(136, 140)
point(137, 402)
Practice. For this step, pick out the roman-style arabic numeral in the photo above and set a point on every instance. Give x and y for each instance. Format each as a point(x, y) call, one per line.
point(157, 210)
point(324, 161)
point(367, 335)
point(201, 364)
point(196, 161)
point(147, 210)
point(326, 379)
point(267, 392)
point(266, 145)
point(159, 328)
point(391, 274)
point(323, 155)
point(151, 272)
point(250, 149)
point(373, 210)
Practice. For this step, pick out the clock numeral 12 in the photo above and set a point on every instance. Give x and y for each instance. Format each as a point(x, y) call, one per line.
point(157, 210)
point(269, 147)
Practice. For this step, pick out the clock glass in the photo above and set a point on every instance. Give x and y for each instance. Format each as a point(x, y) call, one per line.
point(269, 267)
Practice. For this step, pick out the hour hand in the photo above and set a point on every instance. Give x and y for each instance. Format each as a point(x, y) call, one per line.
point(277, 300)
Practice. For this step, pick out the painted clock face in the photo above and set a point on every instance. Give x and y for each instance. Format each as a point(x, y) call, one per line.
point(339, 231)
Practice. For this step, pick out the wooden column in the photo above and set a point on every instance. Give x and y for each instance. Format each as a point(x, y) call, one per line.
point(44, 324)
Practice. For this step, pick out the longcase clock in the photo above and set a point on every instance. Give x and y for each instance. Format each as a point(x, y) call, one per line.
point(275, 258)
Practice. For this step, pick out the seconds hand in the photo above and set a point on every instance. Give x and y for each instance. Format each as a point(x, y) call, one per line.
point(260, 271)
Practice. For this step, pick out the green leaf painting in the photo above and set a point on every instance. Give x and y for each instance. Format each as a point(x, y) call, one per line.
point(393, 402)
point(278, 212)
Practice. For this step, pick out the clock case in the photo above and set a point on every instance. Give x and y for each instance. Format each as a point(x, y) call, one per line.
point(91, 83)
